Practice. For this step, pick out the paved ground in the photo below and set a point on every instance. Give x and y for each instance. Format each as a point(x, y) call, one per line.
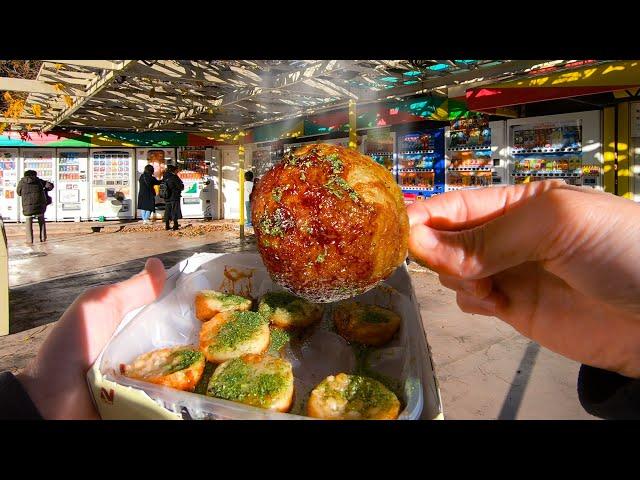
point(486, 370)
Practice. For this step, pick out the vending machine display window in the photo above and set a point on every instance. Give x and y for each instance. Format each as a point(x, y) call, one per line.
point(469, 153)
point(111, 183)
point(43, 161)
point(72, 185)
point(380, 146)
point(420, 163)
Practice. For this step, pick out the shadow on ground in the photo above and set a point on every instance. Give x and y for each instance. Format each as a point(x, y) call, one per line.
point(41, 303)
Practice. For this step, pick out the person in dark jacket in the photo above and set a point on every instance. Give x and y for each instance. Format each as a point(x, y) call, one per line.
point(147, 193)
point(35, 200)
point(172, 211)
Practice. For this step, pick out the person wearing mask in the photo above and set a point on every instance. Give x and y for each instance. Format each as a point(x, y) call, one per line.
point(147, 193)
point(174, 187)
point(248, 187)
point(35, 199)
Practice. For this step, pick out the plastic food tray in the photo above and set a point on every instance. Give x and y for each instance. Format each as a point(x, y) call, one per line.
point(170, 321)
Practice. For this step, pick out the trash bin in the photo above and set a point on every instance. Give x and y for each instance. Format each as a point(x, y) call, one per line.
point(4, 282)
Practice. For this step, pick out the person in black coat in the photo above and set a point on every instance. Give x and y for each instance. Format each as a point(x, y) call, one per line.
point(172, 211)
point(146, 193)
point(35, 200)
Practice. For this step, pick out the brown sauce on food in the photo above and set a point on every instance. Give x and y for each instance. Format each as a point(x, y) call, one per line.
point(313, 229)
point(233, 276)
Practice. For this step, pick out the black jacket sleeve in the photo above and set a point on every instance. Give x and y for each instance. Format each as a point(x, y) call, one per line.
point(15, 403)
point(609, 395)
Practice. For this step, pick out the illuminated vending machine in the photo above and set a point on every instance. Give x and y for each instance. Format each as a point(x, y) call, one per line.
point(9, 205)
point(566, 146)
point(43, 161)
point(111, 174)
point(475, 155)
point(72, 184)
point(159, 158)
point(420, 164)
point(194, 164)
point(344, 142)
point(380, 146)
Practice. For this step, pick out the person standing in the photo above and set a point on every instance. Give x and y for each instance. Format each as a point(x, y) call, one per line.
point(147, 193)
point(35, 200)
point(174, 187)
point(248, 188)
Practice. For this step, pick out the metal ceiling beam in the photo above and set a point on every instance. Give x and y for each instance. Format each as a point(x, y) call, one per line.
point(30, 86)
point(33, 121)
point(93, 88)
point(101, 64)
point(277, 82)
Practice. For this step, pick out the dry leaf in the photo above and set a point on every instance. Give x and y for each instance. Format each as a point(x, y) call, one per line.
point(36, 109)
point(7, 97)
point(59, 87)
point(58, 66)
point(3, 127)
point(68, 100)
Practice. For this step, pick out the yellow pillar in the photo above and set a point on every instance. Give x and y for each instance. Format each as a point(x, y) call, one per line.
point(241, 180)
point(624, 168)
point(353, 119)
point(608, 149)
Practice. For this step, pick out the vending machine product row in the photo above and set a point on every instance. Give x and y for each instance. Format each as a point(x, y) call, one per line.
point(475, 154)
point(420, 164)
point(566, 146)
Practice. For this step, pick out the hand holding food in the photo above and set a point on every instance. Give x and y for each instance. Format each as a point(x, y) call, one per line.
point(552, 260)
point(330, 223)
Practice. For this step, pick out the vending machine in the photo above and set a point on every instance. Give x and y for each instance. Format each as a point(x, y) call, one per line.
point(111, 174)
point(72, 184)
point(159, 158)
point(43, 161)
point(380, 145)
point(9, 205)
point(420, 164)
point(566, 146)
point(476, 154)
point(194, 164)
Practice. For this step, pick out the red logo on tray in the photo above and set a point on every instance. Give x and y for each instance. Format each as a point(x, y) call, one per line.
point(107, 397)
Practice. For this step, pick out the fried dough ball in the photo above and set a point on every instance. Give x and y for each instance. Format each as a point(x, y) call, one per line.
point(232, 334)
point(258, 380)
point(288, 311)
point(177, 367)
point(209, 303)
point(330, 223)
point(366, 324)
point(352, 397)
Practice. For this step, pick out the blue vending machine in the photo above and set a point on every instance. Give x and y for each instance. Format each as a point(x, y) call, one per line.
point(420, 164)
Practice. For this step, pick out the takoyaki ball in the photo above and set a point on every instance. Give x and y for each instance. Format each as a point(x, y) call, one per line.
point(330, 223)
point(232, 334)
point(352, 397)
point(288, 311)
point(258, 380)
point(209, 303)
point(177, 367)
point(366, 324)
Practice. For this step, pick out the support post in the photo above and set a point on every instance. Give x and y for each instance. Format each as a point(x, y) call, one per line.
point(353, 119)
point(241, 180)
